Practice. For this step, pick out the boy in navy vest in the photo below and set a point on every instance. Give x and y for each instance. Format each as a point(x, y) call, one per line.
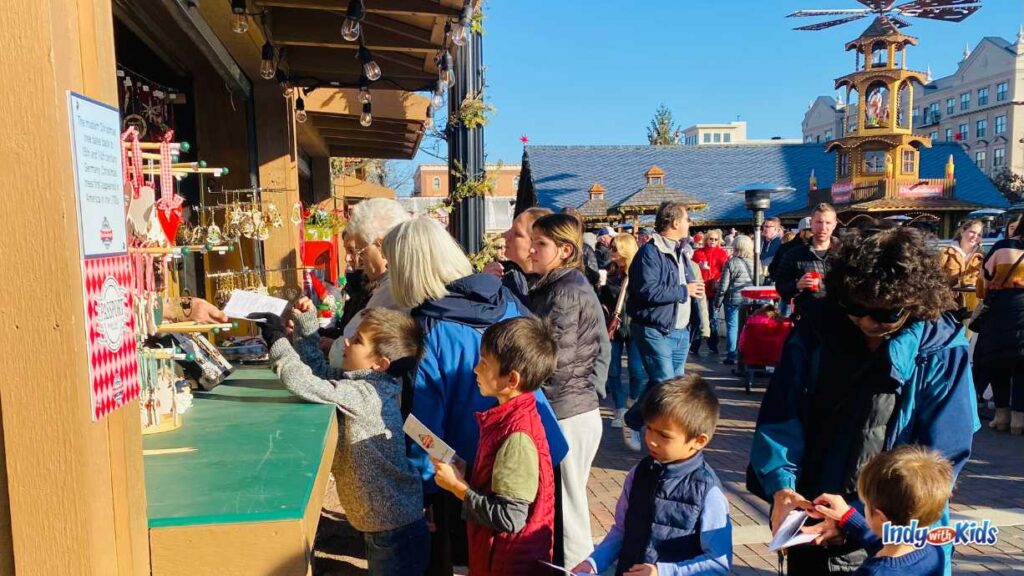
point(907, 483)
point(509, 499)
point(672, 517)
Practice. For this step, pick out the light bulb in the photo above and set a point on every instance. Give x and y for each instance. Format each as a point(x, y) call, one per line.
point(458, 34)
point(267, 67)
point(372, 70)
point(364, 96)
point(286, 90)
point(350, 29)
point(436, 101)
point(239, 23)
point(428, 123)
point(444, 79)
point(365, 119)
point(301, 116)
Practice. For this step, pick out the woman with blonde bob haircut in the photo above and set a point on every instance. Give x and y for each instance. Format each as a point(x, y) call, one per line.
point(564, 297)
point(431, 275)
point(622, 250)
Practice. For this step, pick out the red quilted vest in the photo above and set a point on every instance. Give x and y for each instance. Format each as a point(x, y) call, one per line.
point(505, 553)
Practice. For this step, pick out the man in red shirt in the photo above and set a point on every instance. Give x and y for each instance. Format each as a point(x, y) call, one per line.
point(711, 258)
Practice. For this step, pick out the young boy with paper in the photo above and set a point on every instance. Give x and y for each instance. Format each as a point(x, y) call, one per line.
point(377, 485)
point(904, 486)
point(509, 500)
point(672, 517)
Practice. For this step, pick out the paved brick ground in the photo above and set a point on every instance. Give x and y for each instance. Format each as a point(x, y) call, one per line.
point(992, 480)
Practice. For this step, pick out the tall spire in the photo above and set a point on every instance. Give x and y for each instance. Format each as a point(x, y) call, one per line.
point(1020, 40)
point(967, 51)
point(928, 75)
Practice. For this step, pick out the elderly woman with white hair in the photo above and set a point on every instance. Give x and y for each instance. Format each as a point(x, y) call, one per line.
point(431, 275)
point(370, 221)
point(737, 274)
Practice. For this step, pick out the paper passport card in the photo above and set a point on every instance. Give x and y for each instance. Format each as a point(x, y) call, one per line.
point(428, 440)
point(789, 533)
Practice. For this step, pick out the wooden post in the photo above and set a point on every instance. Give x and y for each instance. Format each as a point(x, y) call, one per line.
point(278, 169)
point(72, 497)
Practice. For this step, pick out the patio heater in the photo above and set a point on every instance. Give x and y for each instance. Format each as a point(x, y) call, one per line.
point(757, 198)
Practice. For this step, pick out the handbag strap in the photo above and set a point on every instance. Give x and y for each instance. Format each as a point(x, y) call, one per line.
point(622, 297)
point(750, 272)
point(1012, 268)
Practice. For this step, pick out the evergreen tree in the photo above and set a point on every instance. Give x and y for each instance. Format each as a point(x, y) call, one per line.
point(663, 130)
point(1010, 184)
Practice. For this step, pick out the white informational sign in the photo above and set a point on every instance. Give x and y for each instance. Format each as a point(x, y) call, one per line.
point(99, 182)
point(243, 303)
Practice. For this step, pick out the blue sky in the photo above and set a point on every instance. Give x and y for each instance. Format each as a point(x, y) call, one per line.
point(594, 71)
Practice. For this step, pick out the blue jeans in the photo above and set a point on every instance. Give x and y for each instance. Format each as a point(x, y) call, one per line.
point(732, 330)
point(404, 550)
point(664, 358)
point(637, 374)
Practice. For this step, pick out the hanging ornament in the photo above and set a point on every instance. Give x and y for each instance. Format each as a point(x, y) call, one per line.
point(296, 216)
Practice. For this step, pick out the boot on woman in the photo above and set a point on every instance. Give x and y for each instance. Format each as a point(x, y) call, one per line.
point(1001, 423)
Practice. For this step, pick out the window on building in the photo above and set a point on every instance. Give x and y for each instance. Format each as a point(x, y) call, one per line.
point(1001, 124)
point(515, 182)
point(981, 127)
point(962, 134)
point(934, 135)
point(436, 183)
point(844, 164)
point(707, 137)
point(809, 140)
point(828, 135)
point(998, 157)
point(655, 180)
point(915, 116)
point(908, 161)
point(983, 96)
point(727, 137)
point(1002, 91)
point(949, 134)
point(932, 115)
point(874, 161)
point(718, 137)
point(965, 101)
point(950, 106)
point(979, 159)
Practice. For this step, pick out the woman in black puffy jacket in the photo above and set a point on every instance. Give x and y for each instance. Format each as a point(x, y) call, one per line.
point(565, 298)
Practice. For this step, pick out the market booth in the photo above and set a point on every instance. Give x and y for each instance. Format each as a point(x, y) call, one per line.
point(145, 157)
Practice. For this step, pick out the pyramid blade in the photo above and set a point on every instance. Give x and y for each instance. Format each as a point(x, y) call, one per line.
point(944, 13)
point(841, 12)
point(878, 5)
point(831, 23)
point(899, 22)
point(917, 4)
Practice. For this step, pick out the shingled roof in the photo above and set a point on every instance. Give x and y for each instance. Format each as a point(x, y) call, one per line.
point(596, 207)
point(651, 196)
point(559, 176)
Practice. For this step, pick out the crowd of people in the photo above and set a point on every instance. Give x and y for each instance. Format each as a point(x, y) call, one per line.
point(508, 366)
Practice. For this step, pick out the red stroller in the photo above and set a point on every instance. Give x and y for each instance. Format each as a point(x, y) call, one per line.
point(764, 333)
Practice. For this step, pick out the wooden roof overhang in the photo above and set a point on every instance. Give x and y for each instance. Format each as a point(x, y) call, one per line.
point(881, 29)
point(910, 204)
point(404, 37)
point(882, 74)
point(396, 131)
point(890, 140)
point(649, 198)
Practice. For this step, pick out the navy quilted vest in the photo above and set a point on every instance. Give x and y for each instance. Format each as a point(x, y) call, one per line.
point(665, 504)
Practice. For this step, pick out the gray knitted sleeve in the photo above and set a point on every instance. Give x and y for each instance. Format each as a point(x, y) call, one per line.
point(352, 397)
point(307, 344)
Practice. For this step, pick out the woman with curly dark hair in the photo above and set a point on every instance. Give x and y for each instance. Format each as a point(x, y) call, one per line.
point(879, 362)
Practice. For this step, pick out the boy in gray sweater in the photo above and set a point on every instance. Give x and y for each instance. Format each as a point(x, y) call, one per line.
point(381, 492)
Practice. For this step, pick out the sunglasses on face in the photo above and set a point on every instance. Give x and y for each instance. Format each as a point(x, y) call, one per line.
point(880, 315)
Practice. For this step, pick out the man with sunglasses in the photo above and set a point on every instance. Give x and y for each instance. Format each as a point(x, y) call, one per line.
point(879, 362)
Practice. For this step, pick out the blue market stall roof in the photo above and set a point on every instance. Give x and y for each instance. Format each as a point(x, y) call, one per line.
point(559, 176)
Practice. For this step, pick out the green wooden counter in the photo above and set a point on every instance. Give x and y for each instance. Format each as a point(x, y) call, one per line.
point(238, 488)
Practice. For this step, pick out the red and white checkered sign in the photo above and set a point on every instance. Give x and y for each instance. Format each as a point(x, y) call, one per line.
point(110, 328)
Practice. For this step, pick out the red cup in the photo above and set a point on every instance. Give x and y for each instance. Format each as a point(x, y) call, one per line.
point(816, 276)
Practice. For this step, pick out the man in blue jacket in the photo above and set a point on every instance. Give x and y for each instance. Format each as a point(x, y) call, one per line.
point(877, 363)
point(662, 299)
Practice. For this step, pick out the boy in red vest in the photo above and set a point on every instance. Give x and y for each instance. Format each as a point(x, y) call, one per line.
point(509, 499)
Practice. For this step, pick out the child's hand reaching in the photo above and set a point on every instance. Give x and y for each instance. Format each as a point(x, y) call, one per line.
point(583, 568)
point(831, 508)
point(450, 478)
point(642, 570)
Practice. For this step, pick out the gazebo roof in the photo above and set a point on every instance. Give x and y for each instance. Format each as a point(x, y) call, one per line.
point(651, 196)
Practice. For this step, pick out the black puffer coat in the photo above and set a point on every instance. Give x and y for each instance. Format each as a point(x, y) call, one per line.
point(566, 300)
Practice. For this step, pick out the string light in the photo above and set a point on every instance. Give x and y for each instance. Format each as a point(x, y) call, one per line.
point(268, 68)
point(282, 80)
point(366, 118)
point(300, 110)
point(351, 28)
point(428, 123)
point(364, 90)
point(370, 67)
point(239, 19)
point(459, 30)
point(436, 100)
point(444, 69)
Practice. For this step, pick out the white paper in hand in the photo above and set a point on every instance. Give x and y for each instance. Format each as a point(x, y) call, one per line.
point(559, 568)
point(243, 303)
point(428, 440)
point(789, 533)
